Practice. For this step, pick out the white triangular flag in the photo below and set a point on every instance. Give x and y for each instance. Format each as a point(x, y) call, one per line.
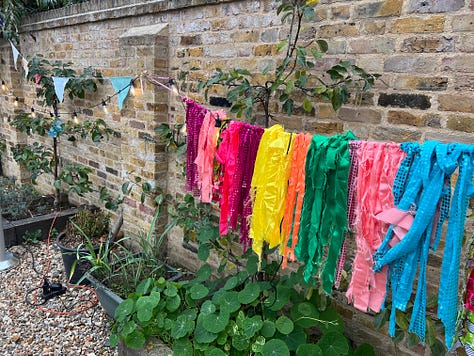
point(24, 63)
point(15, 54)
point(59, 85)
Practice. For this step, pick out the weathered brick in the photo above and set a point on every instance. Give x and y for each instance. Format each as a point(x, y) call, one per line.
point(338, 30)
point(418, 25)
point(359, 114)
point(325, 111)
point(463, 82)
point(446, 136)
point(380, 9)
point(269, 35)
point(462, 103)
point(466, 44)
point(414, 101)
point(432, 120)
point(463, 23)
point(245, 36)
point(325, 128)
point(111, 171)
point(459, 63)
point(191, 40)
point(420, 44)
point(137, 124)
point(375, 45)
point(461, 123)
point(340, 12)
point(265, 50)
point(431, 6)
point(421, 83)
point(408, 64)
point(195, 52)
point(396, 134)
point(405, 118)
point(374, 27)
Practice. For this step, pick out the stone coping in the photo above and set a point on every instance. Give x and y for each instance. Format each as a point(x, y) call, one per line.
point(102, 10)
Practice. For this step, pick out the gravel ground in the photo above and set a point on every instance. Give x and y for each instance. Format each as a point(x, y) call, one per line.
point(27, 330)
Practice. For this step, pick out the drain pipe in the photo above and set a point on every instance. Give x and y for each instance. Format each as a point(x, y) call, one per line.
point(7, 260)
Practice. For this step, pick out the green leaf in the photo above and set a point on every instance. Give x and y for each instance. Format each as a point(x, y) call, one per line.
point(364, 350)
point(307, 105)
point(323, 45)
point(250, 292)
point(402, 320)
point(304, 314)
point(215, 323)
point(201, 335)
point(135, 340)
point(334, 344)
point(173, 303)
point(145, 306)
point(240, 342)
point(438, 348)
point(257, 346)
point(216, 352)
point(279, 299)
point(252, 264)
point(207, 233)
point(182, 347)
point(232, 282)
point(430, 331)
point(208, 307)
point(284, 325)
point(124, 309)
point(229, 302)
point(199, 291)
point(309, 349)
point(282, 45)
point(290, 86)
point(252, 325)
point(333, 321)
point(294, 339)
point(275, 347)
point(268, 329)
point(170, 290)
point(181, 327)
point(381, 318)
point(413, 339)
point(288, 106)
point(203, 252)
point(204, 273)
point(432, 301)
point(113, 340)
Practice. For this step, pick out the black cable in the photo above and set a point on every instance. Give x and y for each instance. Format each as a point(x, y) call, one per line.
point(32, 259)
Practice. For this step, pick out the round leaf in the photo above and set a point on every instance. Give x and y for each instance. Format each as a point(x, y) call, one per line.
point(275, 347)
point(364, 350)
point(309, 349)
point(124, 309)
point(201, 335)
point(293, 339)
point(252, 325)
point(332, 321)
point(284, 325)
point(216, 352)
point(203, 252)
point(252, 264)
point(249, 293)
point(204, 273)
point(268, 329)
point(215, 323)
point(229, 302)
point(240, 342)
point(145, 306)
point(199, 291)
point(135, 340)
point(334, 343)
point(170, 290)
point(173, 303)
point(208, 307)
point(182, 347)
point(231, 283)
point(181, 327)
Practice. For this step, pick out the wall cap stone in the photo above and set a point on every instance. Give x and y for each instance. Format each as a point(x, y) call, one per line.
point(151, 30)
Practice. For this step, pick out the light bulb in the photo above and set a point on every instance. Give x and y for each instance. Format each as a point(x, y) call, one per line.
point(16, 101)
point(4, 86)
point(104, 106)
point(33, 114)
point(75, 119)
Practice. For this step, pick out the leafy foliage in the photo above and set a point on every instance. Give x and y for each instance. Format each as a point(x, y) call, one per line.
point(292, 82)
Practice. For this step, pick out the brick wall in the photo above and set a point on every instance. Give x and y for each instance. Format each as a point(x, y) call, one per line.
point(423, 49)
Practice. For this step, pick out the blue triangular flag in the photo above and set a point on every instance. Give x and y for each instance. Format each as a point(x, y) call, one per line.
point(15, 54)
point(122, 87)
point(59, 85)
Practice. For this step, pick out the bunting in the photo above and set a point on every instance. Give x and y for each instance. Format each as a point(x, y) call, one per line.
point(122, 87)
point(59, 86)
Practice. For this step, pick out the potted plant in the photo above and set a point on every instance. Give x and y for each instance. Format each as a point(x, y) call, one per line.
point(86, 231)
point(27, 211)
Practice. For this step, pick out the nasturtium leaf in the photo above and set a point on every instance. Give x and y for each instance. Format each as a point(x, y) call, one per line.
point(182, 347)
point(252, 264)
point(204, 273)
point(438, 348)
point(190, 314)
point(229, 302)
point(129, 327)
point(430, 331)
point(268, 329)
point(135, 340)
point(216, 352)
point(293, 339)
point(113, 340)
point(173, 303)
point(307, 105)
point(231, 283)
point(145, 306)
point(222, 338)
point(275, 347)
point(144, 286)
point(250, 292)
point(364, 350)
point(402, 320)
point(203, 252)
point(207, 233)
point(331, 321)
point(215, 323)
point(199, 291)
point(309, 349)
point(201, 335)
point(240, 342)
point(257, 346)
point(170, 290)
point(304, 314)
point(334, 344)
point(252, 325)
point(381, 318)
point(208, 307)
point(280, 300)
point(181, 327)
point(124, 309)
point(284, 325)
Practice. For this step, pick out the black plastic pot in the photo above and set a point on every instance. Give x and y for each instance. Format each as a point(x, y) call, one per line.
point(69, 256)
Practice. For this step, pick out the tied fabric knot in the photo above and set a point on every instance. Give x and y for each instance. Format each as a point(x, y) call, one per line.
point(401, 221)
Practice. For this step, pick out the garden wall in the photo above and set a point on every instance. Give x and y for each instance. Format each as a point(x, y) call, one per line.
point(423, 49)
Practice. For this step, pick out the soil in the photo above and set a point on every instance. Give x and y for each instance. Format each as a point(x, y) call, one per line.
point(72, 241)
point(42, 206)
